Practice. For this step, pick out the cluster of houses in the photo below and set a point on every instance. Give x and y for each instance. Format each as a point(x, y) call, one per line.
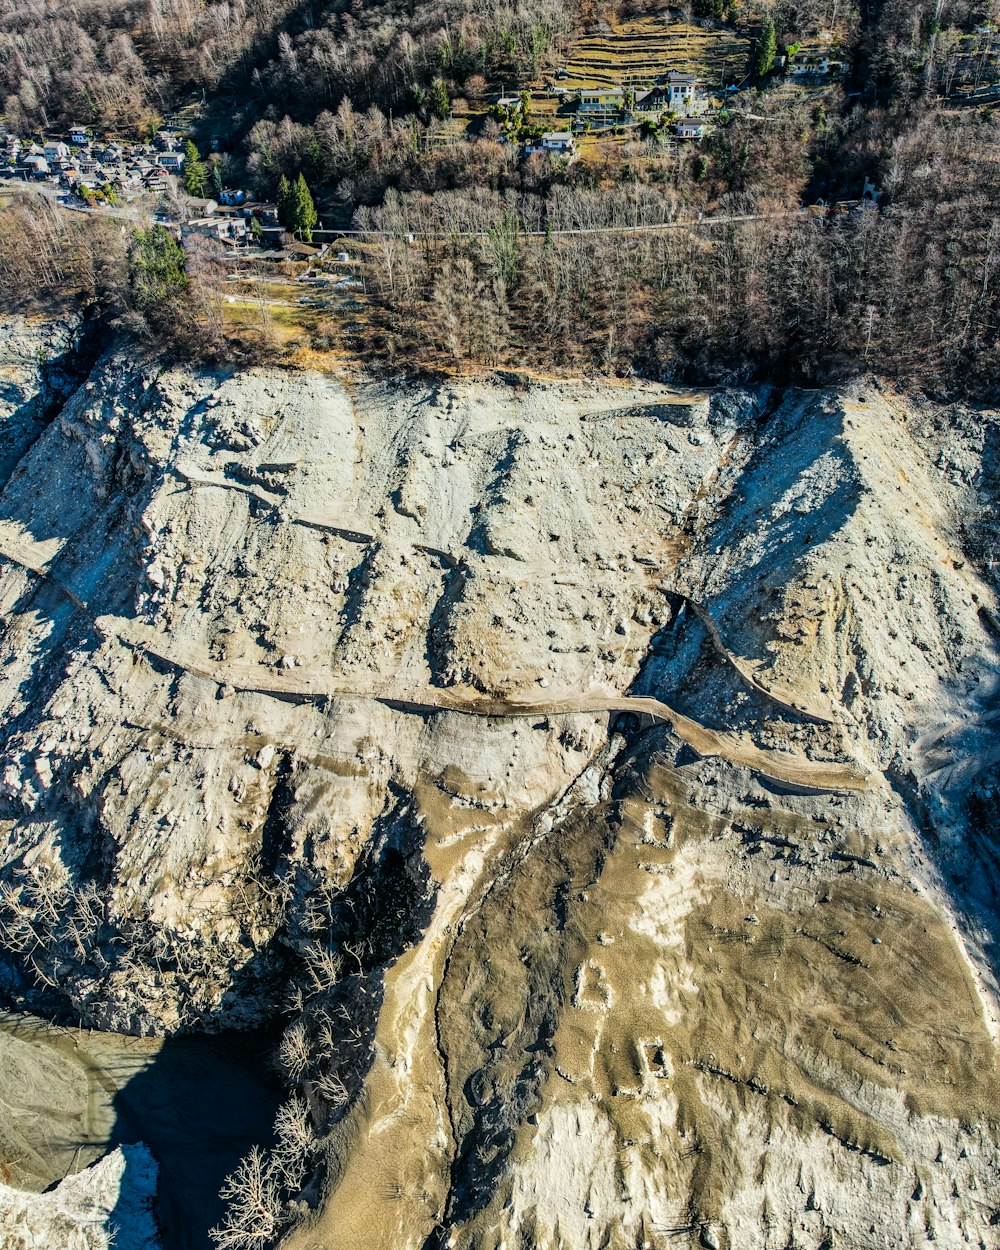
point(813, 65)
point(241, 224)
point(85, 164)
point(680, 101)
point(681, 95)
point(117, 171)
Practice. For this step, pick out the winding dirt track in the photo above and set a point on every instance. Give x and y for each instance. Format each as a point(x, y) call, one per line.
point(783, 697)
point(307, 684)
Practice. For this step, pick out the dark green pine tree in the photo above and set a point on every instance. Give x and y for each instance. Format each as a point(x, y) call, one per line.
point(195, 172)
point(286, 208)
point(440, 102)
point(157, 280)
point(767, 46)
point(305, 215)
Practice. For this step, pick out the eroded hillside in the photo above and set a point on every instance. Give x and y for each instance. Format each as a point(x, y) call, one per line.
point(601, 781)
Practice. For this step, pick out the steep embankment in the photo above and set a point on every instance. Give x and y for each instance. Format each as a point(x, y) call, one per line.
point(601, 777)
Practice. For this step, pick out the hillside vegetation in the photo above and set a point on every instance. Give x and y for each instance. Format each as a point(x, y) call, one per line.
point(382, 108)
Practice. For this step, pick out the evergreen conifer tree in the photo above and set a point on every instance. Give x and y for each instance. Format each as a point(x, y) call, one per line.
point(195, 172)
point(440, 102)
point(767, 46)
point(304, 210)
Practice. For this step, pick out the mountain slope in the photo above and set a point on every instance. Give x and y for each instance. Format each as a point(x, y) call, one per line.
point(326, 700)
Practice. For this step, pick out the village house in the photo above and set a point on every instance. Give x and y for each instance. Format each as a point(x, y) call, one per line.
point(78, 136)
point(232, 230)
point(232, 198)
point(812, 63)
point(201, 206)
point(55, 150)
point(686, 96)
point(689, 128)
point(554, 143)
point(601, 100)
point(173, 162)
point(652, 100)
point(559, 142)
point(36, 165)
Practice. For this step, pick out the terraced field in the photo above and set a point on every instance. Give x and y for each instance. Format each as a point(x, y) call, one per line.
point(640, 52)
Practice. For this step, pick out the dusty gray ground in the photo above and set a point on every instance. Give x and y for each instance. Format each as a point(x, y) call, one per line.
point(108, 1206)
point(718, 971)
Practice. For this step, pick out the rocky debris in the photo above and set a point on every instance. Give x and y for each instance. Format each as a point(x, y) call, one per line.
point(40, 366)
point(109, 1204)
point(554, 980)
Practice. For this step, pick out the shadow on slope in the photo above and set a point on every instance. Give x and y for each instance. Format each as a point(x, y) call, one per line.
point(199, 1105)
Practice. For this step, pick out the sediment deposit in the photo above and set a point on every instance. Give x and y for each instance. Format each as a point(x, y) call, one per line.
point(601, 780)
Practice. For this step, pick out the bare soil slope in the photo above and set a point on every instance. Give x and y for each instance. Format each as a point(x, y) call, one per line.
point(604, 780)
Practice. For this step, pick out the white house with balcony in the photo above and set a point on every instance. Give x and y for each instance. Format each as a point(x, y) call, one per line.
point(686, 96)
point(690, 128)
point(172, 162)
point(553, 142)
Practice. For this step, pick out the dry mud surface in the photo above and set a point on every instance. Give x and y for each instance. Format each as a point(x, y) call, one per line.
point(603, 781)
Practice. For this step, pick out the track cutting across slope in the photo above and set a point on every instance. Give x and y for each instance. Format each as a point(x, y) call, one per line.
point(310, 683)
point(783, 697)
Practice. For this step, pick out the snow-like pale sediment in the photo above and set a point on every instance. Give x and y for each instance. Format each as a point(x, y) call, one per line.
point(108, 1206)
point(727, 998)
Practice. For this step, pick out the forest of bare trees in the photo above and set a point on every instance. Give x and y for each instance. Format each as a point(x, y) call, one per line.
point(907, 288)
point(123, 63)
point(340, 92)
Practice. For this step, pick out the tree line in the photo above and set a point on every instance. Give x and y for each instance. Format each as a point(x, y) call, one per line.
point(907, 288)
point(800, 297)
point(139, 282)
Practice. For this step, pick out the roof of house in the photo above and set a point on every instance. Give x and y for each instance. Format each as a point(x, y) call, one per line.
point(558, 136)
point(676, 79)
